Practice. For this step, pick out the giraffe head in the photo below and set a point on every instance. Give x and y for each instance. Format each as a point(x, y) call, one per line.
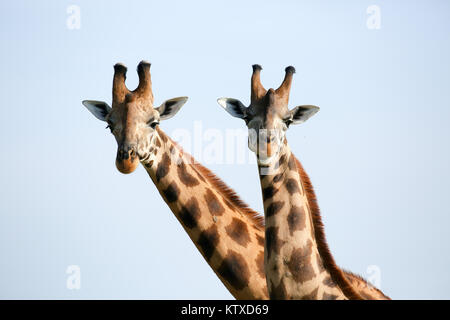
point(132, 118)
point(268, 116)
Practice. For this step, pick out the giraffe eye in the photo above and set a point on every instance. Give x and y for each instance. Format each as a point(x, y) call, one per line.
point(154, 124)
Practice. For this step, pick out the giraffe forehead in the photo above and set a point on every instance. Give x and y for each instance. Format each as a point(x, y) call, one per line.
point(135, 109)
point(270, 104)
point(267, 116)
point(132, 118)
point(270, 121)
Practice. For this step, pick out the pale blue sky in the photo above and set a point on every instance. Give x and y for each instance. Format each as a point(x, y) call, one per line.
point(378, 152)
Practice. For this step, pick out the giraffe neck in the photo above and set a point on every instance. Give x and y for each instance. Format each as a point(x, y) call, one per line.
point(297, 261)
point(227, 233)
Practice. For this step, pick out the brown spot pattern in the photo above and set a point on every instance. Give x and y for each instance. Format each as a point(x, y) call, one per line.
point(208, 241)
point(328, 296)
point(300, 263)
point(260, 240)
point(292, 186)
point(296, 219)
point(185, 177)
point(281, 161)
point(278, 292)
point(274, 208)
point(237, 230)
point(163, 167)
point(311, 296)
point(329, 282)
point(269, 192)
point(214, 205)
point(234, 270)
point(277, 178)
point(190, 213)
point(171, 193)
point(273, 243)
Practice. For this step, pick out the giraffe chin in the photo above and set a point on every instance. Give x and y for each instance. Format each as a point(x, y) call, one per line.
point(128, 165)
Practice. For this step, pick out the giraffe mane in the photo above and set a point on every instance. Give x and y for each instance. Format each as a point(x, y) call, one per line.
point(371, 287)
point(330, 265)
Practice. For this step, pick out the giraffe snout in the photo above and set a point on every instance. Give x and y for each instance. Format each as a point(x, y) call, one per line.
point(126, 159)
point(124, 153)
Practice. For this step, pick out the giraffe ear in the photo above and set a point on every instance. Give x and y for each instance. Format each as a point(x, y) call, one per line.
point(233, 106)
point(99, 109)
point(300, 114)
point(170, 107)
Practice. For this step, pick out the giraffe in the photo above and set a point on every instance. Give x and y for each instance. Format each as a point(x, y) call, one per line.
point(228, 234)
point(298, 263)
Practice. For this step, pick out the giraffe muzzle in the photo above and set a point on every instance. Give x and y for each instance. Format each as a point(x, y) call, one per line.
point(126, 159)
